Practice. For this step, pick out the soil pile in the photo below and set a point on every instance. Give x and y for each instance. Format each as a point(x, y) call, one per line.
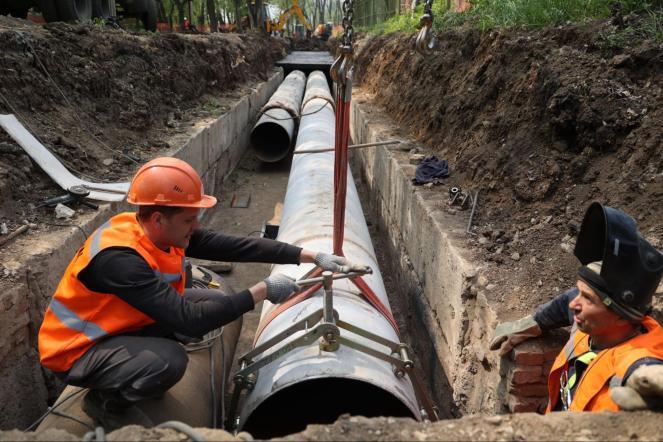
point(309, 44)
point(542, 122)
point(105, 100)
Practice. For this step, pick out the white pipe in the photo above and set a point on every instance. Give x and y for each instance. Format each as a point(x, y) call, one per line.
point(271, 137)
point(336, 382)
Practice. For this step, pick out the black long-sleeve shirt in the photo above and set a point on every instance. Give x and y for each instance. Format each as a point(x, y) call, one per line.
point(123, 272)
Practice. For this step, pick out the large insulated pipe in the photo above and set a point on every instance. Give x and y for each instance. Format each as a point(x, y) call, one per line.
point(193, 400)
point(271, 137)
point(308, 385)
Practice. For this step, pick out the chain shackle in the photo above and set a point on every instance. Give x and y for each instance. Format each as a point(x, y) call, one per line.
point(426, 41)
point(348, 14)
point(342, 66)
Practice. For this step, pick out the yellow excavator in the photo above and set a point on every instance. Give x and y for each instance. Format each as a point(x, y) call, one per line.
point(278, 25)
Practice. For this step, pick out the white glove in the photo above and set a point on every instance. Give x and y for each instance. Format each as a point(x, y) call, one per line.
point(280, 287)
point(338, 264)
point(643, 390)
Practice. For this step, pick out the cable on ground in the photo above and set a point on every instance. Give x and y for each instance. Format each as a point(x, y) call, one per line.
point(53, 407)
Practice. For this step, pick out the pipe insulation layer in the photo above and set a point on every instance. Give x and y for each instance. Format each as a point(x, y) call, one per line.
point(308, 385)
point(271, 137)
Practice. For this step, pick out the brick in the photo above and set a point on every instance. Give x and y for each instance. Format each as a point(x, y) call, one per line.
point(539, 390)
point(525, 405)
point(550, 354)
point(526, 374)
point(527, 355)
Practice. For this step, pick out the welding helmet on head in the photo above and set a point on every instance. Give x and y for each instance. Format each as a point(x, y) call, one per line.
point(630, 267)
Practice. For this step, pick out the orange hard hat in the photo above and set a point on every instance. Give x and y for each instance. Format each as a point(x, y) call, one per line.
point(168, 181)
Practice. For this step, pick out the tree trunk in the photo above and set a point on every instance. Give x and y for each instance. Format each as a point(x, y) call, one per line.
point(251, 16)
point(180, 10)
point(213, 21)
point(170, 15)
point(201, 17)
point(260, 19)
point(322, 10)
point(316, 8)
point(238, 15)
point(161, 12)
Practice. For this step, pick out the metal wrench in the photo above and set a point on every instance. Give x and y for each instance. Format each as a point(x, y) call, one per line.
point(313, 281)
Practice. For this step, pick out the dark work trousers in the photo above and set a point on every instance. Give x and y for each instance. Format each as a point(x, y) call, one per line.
point(135, 366)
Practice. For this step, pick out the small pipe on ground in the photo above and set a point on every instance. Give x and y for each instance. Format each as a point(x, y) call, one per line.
point(474, 206)
point(14, 234)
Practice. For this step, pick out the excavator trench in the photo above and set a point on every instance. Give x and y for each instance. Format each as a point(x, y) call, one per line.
point(323, 400)
point(526, 126)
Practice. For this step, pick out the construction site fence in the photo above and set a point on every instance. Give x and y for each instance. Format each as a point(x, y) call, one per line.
point(372, 12)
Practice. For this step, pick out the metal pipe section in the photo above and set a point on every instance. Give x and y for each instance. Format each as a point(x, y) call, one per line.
point(193, 400)
point(308, 385)
point(271, 137)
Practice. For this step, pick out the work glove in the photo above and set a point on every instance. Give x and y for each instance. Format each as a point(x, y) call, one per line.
point(643, 390)
point(280, 287)
point(338, 264)
point(509, 334)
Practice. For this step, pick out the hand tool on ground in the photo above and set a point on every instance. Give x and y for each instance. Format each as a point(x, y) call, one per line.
point(74, 194)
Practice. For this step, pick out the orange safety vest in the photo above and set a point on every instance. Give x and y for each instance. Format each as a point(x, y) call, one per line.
point(77, 318)
point(607, 369)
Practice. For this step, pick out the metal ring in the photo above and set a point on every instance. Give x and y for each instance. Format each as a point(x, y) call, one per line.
point(334, 69)
point(426, 41)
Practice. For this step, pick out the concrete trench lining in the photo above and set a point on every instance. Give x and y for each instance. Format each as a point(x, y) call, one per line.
point(435, 272)
point(213, 148)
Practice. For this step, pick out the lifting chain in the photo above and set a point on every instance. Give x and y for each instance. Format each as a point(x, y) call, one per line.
point(341, 67)
point(426, 41)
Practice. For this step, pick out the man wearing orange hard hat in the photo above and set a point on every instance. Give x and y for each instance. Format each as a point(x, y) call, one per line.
point(111, 323)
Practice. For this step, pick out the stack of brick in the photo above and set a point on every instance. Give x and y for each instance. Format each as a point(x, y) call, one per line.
point(527, 373)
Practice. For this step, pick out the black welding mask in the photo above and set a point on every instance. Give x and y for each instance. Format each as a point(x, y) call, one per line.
point(631, 268)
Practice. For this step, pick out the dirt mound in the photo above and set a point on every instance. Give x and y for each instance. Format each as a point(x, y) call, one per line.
point(309, 44)
point(542, 122)
point(105, 100)
point(516, 427)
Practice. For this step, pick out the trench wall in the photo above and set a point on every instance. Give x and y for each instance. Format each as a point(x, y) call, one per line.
point(450, 319)
point(213, 148)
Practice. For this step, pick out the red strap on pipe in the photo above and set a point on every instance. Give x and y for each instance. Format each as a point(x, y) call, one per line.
point(342, 128)
point(340, 191)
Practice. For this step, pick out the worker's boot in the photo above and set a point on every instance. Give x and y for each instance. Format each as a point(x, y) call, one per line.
point(111, 411)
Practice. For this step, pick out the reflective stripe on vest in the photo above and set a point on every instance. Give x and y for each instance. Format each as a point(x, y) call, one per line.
point(71, 320)
point(77, 317)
